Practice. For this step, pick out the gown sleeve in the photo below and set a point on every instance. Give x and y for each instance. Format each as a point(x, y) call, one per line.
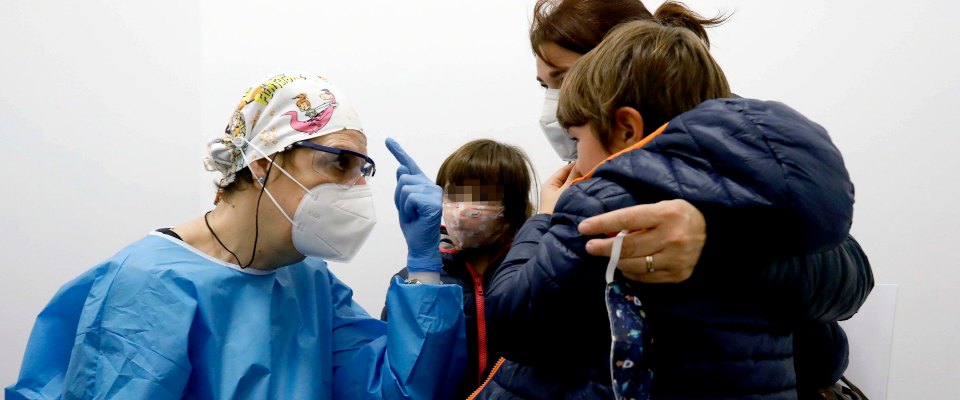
point(111, 333)
point(419, 354)
point(51, 340)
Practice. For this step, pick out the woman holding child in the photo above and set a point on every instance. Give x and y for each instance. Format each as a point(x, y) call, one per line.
point(653, 121)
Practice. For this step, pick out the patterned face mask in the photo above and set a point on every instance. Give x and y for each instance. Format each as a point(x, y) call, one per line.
point(472, 225)
point(628, 367)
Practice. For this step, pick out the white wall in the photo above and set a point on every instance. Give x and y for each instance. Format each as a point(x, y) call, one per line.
point(105, 107)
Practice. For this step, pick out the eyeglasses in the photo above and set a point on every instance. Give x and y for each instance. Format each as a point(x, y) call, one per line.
point(342, 166)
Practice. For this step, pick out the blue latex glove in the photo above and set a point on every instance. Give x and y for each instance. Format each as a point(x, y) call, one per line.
point(420, 204)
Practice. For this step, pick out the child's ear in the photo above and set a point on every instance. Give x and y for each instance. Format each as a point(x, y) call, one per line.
point(629, 126)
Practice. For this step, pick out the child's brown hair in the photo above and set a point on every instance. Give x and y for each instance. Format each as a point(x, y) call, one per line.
point(491, 164)
point(659, 70)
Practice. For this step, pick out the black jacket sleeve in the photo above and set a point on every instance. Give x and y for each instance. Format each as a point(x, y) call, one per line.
point(539, 297)
point(820, 287)
point(821, 355)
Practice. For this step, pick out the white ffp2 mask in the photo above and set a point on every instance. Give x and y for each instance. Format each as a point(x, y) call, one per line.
point(332, 221)
point(562, 143)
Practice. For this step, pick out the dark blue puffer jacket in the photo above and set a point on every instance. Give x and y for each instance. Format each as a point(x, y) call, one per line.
point(771, 186)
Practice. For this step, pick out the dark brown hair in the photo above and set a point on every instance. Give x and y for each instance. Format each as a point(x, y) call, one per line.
point(496, 164)
point(661, 71)
point(244, 178)
point(580, 25)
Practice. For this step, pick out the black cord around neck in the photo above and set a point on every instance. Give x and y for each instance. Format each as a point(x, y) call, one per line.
point(207, 220)
point(256, 224)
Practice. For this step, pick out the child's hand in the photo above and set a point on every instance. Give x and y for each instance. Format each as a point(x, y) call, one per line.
point(555, 185)
point(672, 232)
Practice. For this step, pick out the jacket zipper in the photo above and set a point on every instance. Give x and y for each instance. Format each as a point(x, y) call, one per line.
point(481, 321)
point(493, 372)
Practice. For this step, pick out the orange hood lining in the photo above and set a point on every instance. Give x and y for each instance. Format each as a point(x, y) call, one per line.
point(635, 146)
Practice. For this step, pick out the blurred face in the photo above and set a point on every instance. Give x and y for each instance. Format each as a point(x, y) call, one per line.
point(591, 152)
point(551, 76)
point(474, 191)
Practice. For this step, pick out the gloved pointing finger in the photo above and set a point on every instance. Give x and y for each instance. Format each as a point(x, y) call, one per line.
point(419, 204)
point(407, 184)
point(403, 157)
point(420, 207)
point(420, 214)
point(403, 199)
point(402, 170)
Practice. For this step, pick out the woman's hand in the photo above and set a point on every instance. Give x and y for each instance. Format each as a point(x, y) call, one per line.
point(671, 231)
point(420, 204)
point(555, 185)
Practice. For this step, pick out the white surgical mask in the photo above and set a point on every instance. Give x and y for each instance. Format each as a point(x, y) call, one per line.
point(332, 221)
point(558, 137)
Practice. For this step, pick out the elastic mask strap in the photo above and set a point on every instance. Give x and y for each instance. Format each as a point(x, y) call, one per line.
point(615, 254)
point(263, 184)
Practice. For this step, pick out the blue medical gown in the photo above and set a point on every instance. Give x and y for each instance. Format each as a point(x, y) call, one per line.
point(160, 320)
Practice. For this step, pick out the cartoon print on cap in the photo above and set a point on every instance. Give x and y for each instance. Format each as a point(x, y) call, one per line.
point(318, 116)
point(252, 94)
point(238, 126)
point(314, 106)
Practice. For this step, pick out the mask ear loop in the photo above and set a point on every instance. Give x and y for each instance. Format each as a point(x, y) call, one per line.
point(615, 254)
point(256, 220)
point(263, 189)
point(263, 183)
point(256, 224)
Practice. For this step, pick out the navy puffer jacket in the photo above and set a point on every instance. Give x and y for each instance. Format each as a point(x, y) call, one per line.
point(771, 186)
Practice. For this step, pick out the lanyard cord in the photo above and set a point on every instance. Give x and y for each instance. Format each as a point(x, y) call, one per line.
point(256, 225)
point(207, 220)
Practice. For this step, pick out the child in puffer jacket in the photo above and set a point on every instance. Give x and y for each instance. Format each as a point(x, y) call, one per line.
point(486, 199)
point(654, 119)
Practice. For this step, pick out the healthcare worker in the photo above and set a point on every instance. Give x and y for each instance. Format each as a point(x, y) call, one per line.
point(239, 303)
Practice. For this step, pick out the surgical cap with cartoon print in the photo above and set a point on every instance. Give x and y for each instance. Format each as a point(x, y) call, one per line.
point(274, 114)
